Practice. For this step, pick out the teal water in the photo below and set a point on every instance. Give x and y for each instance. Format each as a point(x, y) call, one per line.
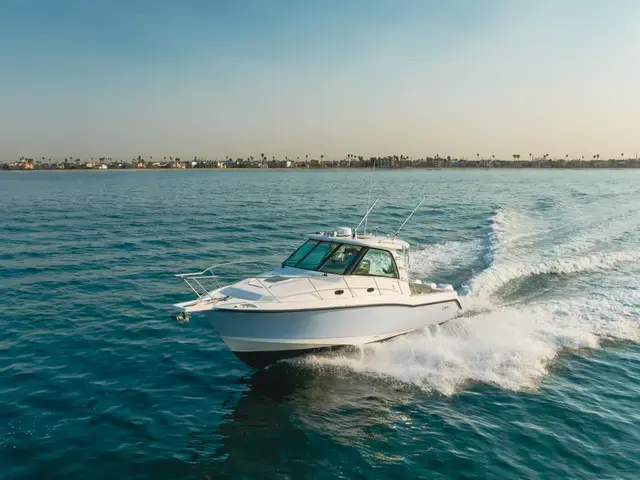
point(540, 379)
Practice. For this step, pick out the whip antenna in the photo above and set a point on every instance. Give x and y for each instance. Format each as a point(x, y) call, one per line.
point(410, 215)
point(355, 230)
point(373, 169)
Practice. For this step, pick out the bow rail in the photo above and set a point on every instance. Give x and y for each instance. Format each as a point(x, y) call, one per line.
point(207, 281)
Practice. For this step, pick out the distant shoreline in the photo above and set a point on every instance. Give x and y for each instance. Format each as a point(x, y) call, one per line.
point(329, 169)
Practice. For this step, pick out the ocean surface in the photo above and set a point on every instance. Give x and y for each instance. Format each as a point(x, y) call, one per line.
point(539, 379)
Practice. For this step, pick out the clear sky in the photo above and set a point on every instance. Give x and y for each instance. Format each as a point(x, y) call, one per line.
point(123, 78)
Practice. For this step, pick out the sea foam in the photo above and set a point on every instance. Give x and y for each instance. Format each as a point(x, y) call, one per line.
point(510, 346)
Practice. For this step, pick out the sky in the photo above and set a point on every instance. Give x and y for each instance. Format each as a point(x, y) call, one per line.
point(204, 78)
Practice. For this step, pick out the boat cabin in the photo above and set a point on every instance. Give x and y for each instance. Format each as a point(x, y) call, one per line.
point(330, 266)
point(338, 266)
point(346, 254)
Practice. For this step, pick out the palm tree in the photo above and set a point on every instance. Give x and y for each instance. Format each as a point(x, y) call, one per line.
point(478, 156)
point(622, 155)
point(321, 158)
point(306, 157)
point(598, 156)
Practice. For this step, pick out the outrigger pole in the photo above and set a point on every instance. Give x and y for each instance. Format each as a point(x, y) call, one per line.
point(407, 219)
point(355, 230)
point(373, 169)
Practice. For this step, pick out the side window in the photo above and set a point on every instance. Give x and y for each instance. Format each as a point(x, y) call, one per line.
point(341, 259)
point(377, 263)
point(317, 256)
point(300, 253)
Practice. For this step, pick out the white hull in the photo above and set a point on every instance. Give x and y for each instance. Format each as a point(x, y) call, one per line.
point(336, 290)
point(295, 332)
point(243, 344)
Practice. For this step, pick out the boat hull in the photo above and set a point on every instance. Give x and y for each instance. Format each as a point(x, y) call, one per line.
point(262, 337)
point(264, 359)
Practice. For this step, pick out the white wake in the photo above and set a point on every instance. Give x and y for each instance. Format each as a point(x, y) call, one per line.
point(511, 346)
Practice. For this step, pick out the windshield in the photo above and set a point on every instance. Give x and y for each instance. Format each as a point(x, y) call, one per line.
point(340, 258)
point(300, 253)
point(316, 257)
point(327, 257)
point(377, 263)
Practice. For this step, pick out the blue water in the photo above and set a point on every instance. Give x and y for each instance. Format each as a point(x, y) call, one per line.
point(540, 379)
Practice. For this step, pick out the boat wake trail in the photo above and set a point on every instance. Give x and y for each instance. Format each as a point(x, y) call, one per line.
point(511, 341)
point(433, 260)
point(492, 279)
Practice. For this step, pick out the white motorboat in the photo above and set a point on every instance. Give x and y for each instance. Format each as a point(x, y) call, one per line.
point(337, 289)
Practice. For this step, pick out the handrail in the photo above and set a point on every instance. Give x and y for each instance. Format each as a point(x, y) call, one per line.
point(181, 275)
point(268, 290)
point(208, 274)
point(312, 279)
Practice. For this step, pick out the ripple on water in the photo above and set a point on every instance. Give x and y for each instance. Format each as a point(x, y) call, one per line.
point(538, 380)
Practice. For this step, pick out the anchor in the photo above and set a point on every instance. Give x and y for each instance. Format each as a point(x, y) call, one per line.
point(183, 317)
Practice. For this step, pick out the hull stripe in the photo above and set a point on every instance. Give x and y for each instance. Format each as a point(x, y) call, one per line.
point(257, 310)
